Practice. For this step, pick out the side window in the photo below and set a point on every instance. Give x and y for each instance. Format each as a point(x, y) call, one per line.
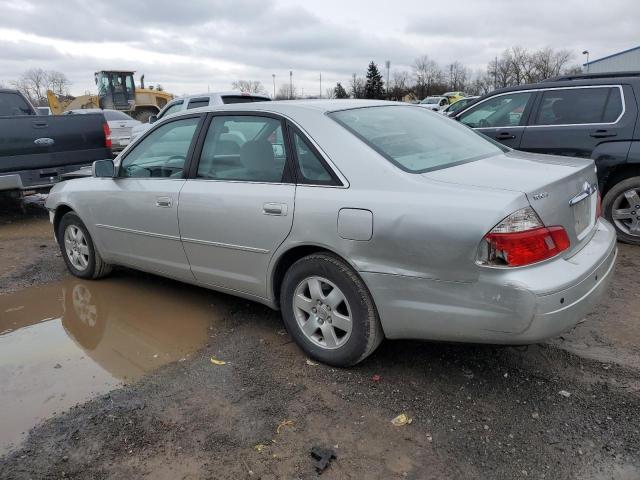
point(572, 106)
point(309, 165)
point(12, 104)
point(173, 108)
point(163, 153)
point(198, 102)
point(501, 111)
point(243, 147)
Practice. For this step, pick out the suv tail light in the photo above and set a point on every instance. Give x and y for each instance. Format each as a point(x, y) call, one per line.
point(107, 135)
point(522, 239)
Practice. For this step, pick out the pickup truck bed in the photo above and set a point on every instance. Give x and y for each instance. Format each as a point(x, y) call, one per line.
point(35, 150)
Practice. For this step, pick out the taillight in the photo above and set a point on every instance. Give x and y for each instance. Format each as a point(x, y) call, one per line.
point(522, 239)
point(107, 135)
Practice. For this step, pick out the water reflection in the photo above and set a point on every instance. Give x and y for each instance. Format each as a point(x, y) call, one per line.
point(65, 342)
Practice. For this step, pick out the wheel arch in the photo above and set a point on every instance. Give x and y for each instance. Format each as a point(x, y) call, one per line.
point(618, 174)
point(288, 257)
point(60, 211)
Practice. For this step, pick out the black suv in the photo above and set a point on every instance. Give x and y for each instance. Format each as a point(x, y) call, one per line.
point(586, 115)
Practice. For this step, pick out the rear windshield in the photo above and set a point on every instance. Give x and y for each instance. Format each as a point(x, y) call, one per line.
point(415, 139)
point(12, 104)
point(111, 115)
point(243, 99)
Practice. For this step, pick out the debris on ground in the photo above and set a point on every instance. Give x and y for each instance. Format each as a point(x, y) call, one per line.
point(260, 447)
point(401, 420)
point(311, 363)
point(564, 393)
point(284, 423)
point(215, 361)
point(376, 378)
point(323, 457)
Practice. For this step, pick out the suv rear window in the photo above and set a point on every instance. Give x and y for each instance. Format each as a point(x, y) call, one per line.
point(243, 99)
point(570, 106)
point(12, 104)
point(415, 139)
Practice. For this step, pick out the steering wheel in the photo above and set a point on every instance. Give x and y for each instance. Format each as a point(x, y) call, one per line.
point(484, 123)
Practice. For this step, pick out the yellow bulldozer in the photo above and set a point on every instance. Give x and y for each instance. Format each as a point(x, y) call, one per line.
point(116, 90)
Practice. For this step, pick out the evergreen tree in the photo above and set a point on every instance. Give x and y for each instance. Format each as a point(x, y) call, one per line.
point(339, 91)
point(374, 88)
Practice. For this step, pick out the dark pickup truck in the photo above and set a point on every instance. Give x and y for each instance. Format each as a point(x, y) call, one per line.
point(37, 150)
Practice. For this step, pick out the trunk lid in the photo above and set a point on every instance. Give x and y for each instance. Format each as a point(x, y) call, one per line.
point(562, 190)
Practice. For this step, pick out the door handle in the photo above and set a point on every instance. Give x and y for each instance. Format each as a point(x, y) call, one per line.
point(602, 134)
point(44, 142)
point(505, 136)
point(164, 202)
point(274, 209)
point(39, 124)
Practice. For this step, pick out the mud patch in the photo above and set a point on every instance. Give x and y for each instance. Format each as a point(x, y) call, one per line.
point(65, 342)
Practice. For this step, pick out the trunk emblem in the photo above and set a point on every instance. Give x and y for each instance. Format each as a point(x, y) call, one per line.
point(540, 196)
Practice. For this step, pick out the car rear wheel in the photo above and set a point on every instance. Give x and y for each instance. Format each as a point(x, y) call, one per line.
point(78, 250)
point(328, 310)
point(621, 206)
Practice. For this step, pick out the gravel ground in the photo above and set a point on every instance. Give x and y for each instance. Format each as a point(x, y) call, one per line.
point(569, 408)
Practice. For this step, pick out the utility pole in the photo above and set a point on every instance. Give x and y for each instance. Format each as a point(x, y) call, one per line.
point(586, 52)
point(274, 85)
point(388, 65)
point(290, 84)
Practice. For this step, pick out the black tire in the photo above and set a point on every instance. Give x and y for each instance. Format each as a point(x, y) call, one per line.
point(96, 267)
point(366, 333)
point(143, 114)
point(609, 202)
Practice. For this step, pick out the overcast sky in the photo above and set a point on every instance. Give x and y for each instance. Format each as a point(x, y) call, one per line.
point(192, 45)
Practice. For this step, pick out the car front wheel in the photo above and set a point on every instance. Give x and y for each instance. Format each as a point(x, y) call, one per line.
point(621, 206)
point(78, 250)
point(328, 310)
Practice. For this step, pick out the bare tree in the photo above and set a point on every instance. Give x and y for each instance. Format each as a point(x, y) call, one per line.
point(458, 75)
point(286, 92)
point(329, 93)
point(356, 86)
point(59, 84)
point(33, 84)
point(399, 85)
point(549, 62)
point(427, 74)
point(248, 86)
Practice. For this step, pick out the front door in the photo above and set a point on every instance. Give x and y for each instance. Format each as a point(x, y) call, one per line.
point(502, 118)
point(239, 207)
point(138, 218)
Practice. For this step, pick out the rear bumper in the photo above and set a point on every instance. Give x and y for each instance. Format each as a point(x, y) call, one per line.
point(510, 306)
point(36, 179)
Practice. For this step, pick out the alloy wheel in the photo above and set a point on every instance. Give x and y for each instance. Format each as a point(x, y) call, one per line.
point(76, 247)
point(625, 212)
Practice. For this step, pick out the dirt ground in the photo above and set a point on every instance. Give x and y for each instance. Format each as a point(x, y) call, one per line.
point(477, 411)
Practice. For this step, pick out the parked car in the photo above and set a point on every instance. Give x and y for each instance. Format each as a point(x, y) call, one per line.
point(44, 110)
point(357, 219)
point(435, 103)
point(36, 150)
point(588, 116)
point(455, 107)
point(453, 97)
point(197, 101)
point(119, 122)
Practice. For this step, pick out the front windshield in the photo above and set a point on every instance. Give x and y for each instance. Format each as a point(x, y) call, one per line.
point(415, 139)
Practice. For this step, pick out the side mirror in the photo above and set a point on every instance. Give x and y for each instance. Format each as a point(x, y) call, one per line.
point(153, 118)
point(103, 169)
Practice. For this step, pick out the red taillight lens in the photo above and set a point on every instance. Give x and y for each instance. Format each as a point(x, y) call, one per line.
point(107, 135)
point(523, 248)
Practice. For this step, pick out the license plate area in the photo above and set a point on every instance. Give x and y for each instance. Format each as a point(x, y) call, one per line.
point(584, 215)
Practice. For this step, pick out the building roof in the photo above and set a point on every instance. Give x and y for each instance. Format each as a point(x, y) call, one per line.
point(612, 55)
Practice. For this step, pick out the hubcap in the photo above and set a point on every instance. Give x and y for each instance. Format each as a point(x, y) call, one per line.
point(76, 247)
point(322, 312)
point(625, 211)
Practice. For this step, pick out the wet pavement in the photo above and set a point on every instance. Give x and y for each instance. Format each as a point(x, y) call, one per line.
point(68, 341)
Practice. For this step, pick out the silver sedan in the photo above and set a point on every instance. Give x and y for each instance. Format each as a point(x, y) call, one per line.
point(359, 220)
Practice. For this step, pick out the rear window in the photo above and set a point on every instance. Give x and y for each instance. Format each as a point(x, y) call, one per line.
point(415, 139)
point(573, 106)
point(243, 99)
point(198, 102)
point(12, 104)
point(111, 115)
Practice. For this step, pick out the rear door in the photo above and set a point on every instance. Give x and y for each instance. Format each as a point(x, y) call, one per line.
point(502, 117)
point(573, 121)
point(237, 207)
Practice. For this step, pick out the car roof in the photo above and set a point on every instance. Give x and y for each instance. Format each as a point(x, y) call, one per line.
point(221, 94)
point(285, 107)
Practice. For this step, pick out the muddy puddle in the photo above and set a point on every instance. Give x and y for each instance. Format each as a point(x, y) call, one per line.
point(65, 342)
